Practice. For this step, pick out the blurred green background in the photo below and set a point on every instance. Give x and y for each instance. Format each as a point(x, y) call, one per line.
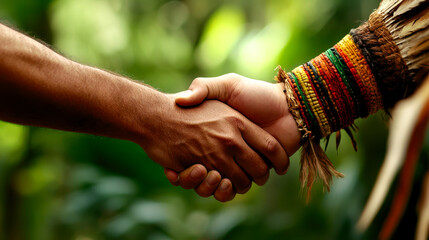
point(57, 185)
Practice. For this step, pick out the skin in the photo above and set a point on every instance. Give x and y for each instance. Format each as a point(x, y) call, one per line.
point(39, 87)
point(261, 102)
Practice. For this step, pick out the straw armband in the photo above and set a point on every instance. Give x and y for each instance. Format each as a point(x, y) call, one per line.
point(360, 75)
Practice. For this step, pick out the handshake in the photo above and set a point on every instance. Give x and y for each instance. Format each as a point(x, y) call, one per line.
point(217, 137)
point(223, 133)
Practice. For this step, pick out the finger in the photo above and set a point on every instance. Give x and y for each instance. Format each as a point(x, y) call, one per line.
point(253, 165)
point(191, 97)
point(172, 176)
point(219, 88)
point(209, 185)
point(266, 145)
point(240, 180)
point(195, 95)
point(225, 192)
point(192, 176)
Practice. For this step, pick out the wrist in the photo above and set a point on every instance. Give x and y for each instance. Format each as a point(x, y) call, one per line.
point(148, 115)
point(290, 137)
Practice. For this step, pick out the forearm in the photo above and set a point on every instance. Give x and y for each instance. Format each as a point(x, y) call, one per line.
point(365, 72)
point(40, 87)
point(370, 69)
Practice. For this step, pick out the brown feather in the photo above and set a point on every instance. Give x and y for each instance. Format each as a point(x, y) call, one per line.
point(420, 22)
point(315, 163)
point(408, 24)
point(407, 6)
point(406, 178)
point(327, 142)
point(338, 138)
point(349, 132)
point(423, 208)
point(408, 21)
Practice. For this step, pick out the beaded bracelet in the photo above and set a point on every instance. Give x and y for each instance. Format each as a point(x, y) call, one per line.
point(346, 82)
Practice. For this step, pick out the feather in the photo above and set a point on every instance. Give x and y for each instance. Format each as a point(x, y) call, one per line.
point(405, 181)
point(423, 222)
point(407, 6)
point(420, 23)
point(327, 142)
point(338, 138)
point(352, 138)
point(408, 21)
point(406, 116)
point(315, 163)
point(354, 127)
point(420, 56)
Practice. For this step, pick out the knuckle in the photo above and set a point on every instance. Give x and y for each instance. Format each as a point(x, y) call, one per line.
point(230, 142)
point(197, 82)
point(236, 121)
point(271, 146)
point(232, 76)
point(231, 80)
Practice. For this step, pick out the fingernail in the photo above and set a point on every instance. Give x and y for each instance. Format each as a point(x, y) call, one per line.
point(196, 173)
point(177, 178)
point(184, 94)
point(212, 179)
point(283, 172)
point(224, 186)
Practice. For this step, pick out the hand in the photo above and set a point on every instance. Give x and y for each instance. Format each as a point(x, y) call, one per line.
point(204, 184)
point(38, 87)
point(262, 102)
point(216, 136)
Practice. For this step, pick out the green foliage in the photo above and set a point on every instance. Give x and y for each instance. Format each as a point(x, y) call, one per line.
point(57, 185)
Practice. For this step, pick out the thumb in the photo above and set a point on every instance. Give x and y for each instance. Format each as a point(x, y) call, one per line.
point(205, 88)
point(191, 97)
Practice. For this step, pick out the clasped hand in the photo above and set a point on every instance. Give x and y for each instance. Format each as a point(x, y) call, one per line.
point(239, 151)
